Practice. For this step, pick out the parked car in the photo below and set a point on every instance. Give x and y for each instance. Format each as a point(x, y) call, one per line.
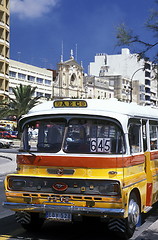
point(5, 143)
point(7, 135)
point(14, 134)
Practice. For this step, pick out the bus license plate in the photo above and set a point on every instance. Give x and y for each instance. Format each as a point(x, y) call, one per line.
point(57, 216)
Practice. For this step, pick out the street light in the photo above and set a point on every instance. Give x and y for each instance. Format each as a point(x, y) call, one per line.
point(132, 79)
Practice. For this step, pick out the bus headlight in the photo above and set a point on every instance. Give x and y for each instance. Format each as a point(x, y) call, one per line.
point(17, 184)
point(110, 188)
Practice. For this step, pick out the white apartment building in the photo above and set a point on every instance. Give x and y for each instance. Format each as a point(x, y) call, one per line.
point(124, 64)
point(98, 87)
point(135, 81)
point(26, 74)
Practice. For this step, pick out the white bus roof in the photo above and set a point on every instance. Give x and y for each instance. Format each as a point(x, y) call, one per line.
point(110, 107)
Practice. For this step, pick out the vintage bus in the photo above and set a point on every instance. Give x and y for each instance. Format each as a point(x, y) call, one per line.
point(91, 157)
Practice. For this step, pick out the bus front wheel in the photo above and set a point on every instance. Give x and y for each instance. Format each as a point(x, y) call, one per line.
point(133, 214)
point(125, 228)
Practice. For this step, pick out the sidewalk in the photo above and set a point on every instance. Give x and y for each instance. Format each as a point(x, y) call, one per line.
point(150, 233)
point(8, 159)
point(7, 163)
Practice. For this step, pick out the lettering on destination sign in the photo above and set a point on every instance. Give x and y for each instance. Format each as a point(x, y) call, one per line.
point(70, 104)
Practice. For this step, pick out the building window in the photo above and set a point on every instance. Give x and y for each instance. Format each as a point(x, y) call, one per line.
point(147, 66)
point(10, 89)
point(31, 78)
point(142, 97)
point(147, 74)
point(142, 88)
point(39, 80)
point(21, 76)
point(147, 98)
point(73, 78)
point(12, 74)
point(48, 82)
point(47, 95)
point(111, 83)
point(39, 94)
point(147, 90)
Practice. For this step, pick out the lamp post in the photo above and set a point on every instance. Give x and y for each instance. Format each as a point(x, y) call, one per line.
point(131, 81)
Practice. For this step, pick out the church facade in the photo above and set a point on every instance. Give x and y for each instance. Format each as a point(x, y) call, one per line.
point(68, 82)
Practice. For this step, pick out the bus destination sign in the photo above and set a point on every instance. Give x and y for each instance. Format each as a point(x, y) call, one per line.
point(70, 104)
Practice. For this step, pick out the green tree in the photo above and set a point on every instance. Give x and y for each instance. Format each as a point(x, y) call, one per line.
point(3, 108)
point(126, 37)
point(22, 102)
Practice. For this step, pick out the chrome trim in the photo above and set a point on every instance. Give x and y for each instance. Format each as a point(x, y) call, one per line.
point(60, 171)
point(63, 208)
point(144, 179)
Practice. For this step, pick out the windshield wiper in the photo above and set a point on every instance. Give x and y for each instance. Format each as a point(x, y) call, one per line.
point(28, 151)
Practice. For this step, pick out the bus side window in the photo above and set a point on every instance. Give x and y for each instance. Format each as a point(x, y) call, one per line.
point(144, 131)
point(135, 137)
point(153, 135)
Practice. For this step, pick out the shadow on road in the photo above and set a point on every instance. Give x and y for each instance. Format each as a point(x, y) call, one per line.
point(93, 230)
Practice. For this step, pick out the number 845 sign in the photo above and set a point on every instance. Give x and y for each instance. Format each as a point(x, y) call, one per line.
point(100, 145)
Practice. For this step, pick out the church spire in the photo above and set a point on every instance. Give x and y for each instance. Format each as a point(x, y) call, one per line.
point(71, 54)
point(62, 51)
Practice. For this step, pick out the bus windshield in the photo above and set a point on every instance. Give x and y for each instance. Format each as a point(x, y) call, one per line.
point(77, 135)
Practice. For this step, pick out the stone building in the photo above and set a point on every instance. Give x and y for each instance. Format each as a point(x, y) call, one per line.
point(69, 80)
point(4, 48)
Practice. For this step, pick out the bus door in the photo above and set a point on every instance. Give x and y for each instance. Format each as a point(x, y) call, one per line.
point(152, 162)
point(146, 146)
point(137, 170)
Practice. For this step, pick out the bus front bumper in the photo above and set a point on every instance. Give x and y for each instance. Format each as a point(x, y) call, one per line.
point(43, 208)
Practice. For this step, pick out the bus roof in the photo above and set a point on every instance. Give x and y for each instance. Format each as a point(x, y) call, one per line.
point(93, 107)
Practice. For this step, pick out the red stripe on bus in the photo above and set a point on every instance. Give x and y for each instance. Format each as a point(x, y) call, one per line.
point(154, 155)
point(149, 194)
point(81, 161)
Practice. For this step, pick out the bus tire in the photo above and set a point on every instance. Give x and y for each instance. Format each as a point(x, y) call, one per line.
point(133, 214)
point(29, 221)
point(125, 228)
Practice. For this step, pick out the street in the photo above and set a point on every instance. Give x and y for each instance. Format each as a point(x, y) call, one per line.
point(91, 229)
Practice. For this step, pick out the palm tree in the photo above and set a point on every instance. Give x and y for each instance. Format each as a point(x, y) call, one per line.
point(3, 108)
point(22, 102)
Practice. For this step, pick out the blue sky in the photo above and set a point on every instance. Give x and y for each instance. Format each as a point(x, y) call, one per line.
point(38, 28)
